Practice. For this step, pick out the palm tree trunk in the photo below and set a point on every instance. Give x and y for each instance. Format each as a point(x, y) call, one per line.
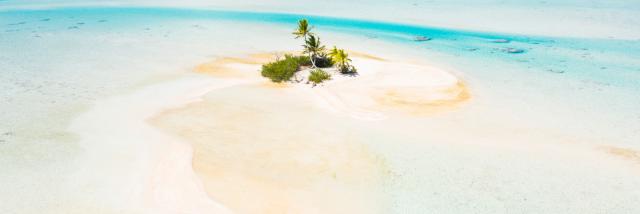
point(313, 60)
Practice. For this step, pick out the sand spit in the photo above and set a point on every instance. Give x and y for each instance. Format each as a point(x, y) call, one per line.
point(155, 173)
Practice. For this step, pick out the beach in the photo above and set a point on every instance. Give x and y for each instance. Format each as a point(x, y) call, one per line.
point(153, 107)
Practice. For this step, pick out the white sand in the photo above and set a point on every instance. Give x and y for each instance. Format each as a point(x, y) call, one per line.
point(380, 87)
point(383, 87)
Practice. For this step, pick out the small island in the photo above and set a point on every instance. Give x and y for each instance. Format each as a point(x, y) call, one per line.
point(315, 64)
point(385, 86)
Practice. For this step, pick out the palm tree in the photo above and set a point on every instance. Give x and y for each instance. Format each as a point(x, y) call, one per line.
point(303, 29)
point(333, 52)
point(313, 47)
point(342, 58)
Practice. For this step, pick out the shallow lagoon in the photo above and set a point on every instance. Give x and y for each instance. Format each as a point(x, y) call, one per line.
point(531, 110)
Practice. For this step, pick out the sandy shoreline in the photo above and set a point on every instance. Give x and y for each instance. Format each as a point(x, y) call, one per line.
point(381, 86)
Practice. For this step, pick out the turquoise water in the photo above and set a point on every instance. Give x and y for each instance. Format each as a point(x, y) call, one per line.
point(611, 61)
point(576, 89)
point(600, 74)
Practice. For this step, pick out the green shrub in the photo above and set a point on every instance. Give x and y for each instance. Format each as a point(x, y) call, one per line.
point(302, 60)
point(347, 69)
point(318, 76)
point(282, 70)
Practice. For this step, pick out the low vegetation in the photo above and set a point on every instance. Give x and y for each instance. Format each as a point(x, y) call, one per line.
point(318, 76)
point(315, 56)
point(340, 57)
point(302, 60)
point(283, 69)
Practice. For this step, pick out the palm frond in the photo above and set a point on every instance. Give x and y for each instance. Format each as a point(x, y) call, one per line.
point(303, 29)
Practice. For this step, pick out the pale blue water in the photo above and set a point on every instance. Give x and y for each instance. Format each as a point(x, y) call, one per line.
point(584, 89)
